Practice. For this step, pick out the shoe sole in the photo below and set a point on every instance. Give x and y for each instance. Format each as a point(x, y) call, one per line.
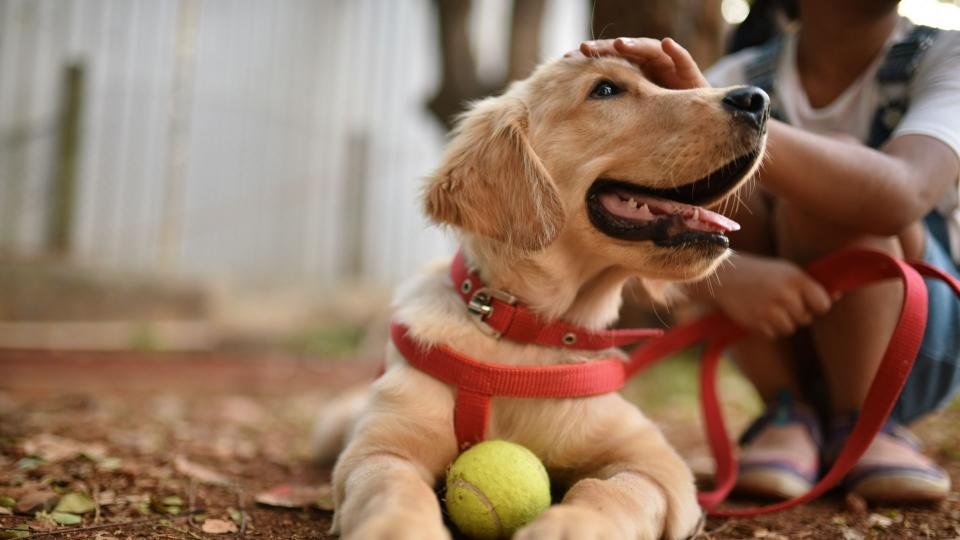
point(899, 488)
point(772, 483)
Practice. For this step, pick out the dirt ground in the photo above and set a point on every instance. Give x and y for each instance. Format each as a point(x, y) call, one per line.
point(183, 446)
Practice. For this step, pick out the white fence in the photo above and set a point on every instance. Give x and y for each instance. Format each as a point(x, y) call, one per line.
point(281, 140)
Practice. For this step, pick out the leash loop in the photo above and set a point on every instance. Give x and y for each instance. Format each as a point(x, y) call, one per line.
point(839, 273)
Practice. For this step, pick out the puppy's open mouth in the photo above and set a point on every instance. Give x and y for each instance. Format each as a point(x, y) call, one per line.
point(668, 217)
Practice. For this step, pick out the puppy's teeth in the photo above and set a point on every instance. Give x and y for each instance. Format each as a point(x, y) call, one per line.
point(645, 213)
point(632, 203)
point(696, 214)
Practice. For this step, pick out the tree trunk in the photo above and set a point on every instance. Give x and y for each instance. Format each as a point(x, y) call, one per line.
point(525, 38)
point(459, 83)
point(695, 24)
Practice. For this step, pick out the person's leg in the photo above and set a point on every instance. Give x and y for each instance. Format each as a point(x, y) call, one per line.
point(780, 450)
point(850, 341)
point(935, 379)
point(851, 338)
point(767, 363)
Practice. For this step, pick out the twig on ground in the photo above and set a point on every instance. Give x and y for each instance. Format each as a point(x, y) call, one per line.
point(192, 495)
point(243, 514)
point(96, 502)
point(135, 523)
point(188, 532)
point(707, 533)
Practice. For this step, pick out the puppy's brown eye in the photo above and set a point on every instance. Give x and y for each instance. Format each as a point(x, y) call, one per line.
point(604, 89)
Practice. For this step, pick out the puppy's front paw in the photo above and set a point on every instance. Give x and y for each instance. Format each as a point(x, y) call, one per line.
point(569, 522)
point(390, 526)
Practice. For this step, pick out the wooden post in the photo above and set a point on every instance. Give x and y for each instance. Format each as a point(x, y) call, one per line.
point(64, 181)
point(354, 230)
point(185, 45)
point(13, 183)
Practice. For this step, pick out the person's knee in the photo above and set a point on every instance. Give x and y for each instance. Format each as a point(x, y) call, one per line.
point(754, 213)
point(803, 237)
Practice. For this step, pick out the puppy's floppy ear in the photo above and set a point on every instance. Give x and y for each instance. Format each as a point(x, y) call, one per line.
point(492, 183)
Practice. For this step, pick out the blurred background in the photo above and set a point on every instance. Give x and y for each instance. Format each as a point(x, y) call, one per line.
point(240, 174)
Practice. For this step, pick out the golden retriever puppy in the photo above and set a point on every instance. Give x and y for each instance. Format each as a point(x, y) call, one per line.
point(562, 189)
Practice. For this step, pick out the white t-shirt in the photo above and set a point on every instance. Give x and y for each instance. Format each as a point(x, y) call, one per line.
point(934, 100)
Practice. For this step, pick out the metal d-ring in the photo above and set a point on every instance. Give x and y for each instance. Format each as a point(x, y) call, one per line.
point(480, 307)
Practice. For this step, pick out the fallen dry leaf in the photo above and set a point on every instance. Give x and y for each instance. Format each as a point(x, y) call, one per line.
point(19, 531)
point(65, 518)
point(41, 500)
point(54, 449)
point(851, 534)
point(855, 503)
point(290, 496)
point(136, 498)
point(876, 521)
point(766, 534)
point(218, 526)
point(75, 503)
point(106, 498)
point(199, 473)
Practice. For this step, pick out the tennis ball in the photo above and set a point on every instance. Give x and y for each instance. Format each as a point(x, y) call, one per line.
point(494, 488)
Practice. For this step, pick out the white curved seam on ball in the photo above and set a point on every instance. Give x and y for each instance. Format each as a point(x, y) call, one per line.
point(460, 482)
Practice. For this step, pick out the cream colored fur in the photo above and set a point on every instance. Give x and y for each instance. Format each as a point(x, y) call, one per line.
point(513, 184)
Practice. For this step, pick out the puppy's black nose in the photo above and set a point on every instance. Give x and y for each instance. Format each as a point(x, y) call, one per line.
point(750, 103)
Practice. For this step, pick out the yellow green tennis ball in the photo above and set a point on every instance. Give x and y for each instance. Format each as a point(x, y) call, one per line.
point(494, 488)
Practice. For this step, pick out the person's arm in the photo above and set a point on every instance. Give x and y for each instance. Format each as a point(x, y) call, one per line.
point(846, 183)
point(857, 187)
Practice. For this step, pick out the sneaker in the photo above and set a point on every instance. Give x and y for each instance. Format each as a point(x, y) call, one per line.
point(893, 469)
point(780, 456)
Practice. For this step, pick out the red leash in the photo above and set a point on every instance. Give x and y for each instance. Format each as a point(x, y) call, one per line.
point(501, 316)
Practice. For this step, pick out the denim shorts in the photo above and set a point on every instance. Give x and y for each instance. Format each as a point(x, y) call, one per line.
point(935, 379)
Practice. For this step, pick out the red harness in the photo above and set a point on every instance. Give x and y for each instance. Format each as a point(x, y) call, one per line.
point(501, 316)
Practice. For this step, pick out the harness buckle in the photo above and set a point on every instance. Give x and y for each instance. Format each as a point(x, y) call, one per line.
point(480, 307)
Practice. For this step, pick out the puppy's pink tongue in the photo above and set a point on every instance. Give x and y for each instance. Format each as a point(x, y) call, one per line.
point(643, 210)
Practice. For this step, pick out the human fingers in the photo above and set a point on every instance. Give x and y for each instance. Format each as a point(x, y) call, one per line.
point(816, 297)
point(781, 321)
point(795, 306)
point(642, 50)
point(686, 68)
point(594, 48)
point(598, 47)
point(767, 330)
point(761, 326)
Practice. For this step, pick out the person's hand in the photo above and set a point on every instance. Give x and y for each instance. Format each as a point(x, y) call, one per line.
point(772, 296)
point(664, 62)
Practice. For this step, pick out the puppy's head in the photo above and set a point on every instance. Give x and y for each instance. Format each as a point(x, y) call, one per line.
point(589, 155)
